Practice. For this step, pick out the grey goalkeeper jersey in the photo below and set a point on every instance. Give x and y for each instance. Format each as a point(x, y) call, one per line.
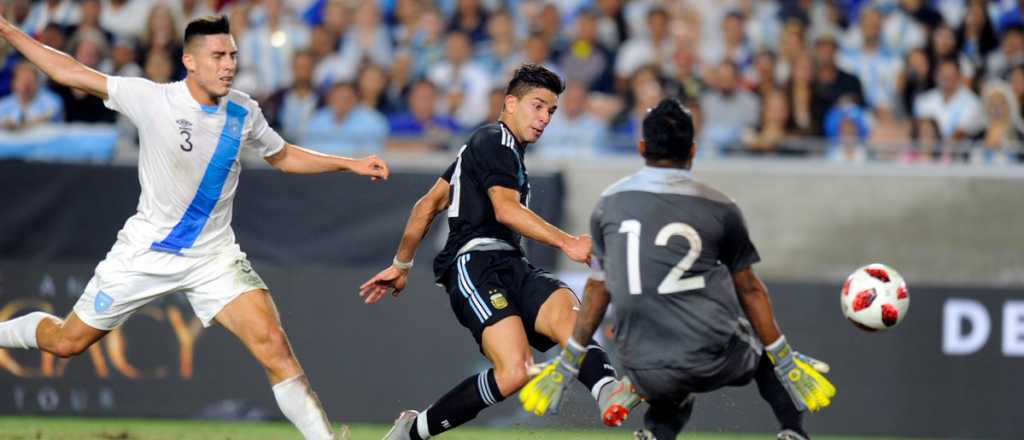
point(667, 246)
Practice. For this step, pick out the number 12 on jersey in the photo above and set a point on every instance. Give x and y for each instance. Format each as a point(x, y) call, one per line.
point(675, 281)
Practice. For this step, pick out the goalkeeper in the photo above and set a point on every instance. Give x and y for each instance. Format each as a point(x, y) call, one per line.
point(691, 316)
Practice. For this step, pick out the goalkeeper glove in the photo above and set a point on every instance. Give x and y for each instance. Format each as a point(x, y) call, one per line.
point(801, 376)
point(543, 394)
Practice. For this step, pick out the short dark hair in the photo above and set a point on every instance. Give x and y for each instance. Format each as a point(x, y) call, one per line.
point(209, 25)
point(668, 131)
point(531, 76)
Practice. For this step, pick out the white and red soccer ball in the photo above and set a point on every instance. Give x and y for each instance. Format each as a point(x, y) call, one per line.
point(875, 298)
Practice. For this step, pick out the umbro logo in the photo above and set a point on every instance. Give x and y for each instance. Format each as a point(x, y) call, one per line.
point(185, 130)
point(184, 124)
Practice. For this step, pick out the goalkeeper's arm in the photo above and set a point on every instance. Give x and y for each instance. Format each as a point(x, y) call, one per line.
point(754, 298)
point(595, 305)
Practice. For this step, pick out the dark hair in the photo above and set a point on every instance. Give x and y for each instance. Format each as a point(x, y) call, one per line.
point(209, 25)
point(668, 131)
point(531, 76)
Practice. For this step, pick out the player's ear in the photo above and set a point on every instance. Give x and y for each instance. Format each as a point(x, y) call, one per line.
point(641, 147)
point(693, 151)
point(510, 104)
point(188, 61)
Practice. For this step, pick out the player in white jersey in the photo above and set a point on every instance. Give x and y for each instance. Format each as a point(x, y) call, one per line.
point(180, 239)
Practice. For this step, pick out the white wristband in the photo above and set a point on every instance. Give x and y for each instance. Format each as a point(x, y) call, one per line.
point(403, 265)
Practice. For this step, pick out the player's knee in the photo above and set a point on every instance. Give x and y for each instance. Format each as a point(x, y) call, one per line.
point(511, 378)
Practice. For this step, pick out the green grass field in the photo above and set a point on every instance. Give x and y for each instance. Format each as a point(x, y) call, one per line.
point(45, 428)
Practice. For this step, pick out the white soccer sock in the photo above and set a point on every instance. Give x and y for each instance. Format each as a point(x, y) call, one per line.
point(20, 332)
point(300, 405)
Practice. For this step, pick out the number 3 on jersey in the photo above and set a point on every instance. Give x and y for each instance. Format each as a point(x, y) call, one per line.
point(674, 282)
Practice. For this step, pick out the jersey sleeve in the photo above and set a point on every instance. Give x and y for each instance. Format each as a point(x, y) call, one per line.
point(262, 138)
point(129, 96)
point(597, 253)
point(737, 252)
point(495, 163)
point(447, 176)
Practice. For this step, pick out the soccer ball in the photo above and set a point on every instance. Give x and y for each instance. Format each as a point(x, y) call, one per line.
point(875, 298)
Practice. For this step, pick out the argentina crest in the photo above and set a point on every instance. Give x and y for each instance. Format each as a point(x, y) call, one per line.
point(498, 300)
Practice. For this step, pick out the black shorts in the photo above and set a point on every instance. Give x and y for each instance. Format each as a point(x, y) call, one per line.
point(487, 286)
point(672, 386)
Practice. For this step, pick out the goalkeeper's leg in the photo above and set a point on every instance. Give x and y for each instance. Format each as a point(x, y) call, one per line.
point(506, 345)
point(773, 392)
point(665, 419)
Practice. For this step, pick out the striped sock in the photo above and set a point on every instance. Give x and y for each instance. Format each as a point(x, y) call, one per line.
point(458, 406)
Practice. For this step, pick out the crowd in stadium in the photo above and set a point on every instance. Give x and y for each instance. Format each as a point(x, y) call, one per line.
point(904, 80)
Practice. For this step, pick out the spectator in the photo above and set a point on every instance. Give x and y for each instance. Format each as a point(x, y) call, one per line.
point(421, 128)
point(734, 48)
point(611, 23)
point(1010, 53)
point(372, 85)
point(656, 47)
point(901, 30)
point(62, 13)
point(29, 104)
point(463, 83)
point(573, 132)
point(1012, 18)
point(122, 59)
point(188, 10)
point(847, 127)
point(770, 136)
point(728, 110)
point(953, 106)
point(291, 108)
point(586, 60)
point(495, 54)
point(550, 28)
point(976, 37)
point(800, 95)
point(791, 47)
point(876, 67)
point(535, 51)
point(161, 36)
point(52, 35)
point(90, 20)
point(830, 82)
point(346, 127)
point(944, 45)
point(428, 42)
point(470, 18)
point(761, 78)
point(645, 93)
point(336, 18)
point(266, 49)
point(367, 39)
point(916, 80)
point(687, 82)
point(928, 143)
point(1004, 129)
point(126, 18)
point(89, 48)
point(403, 21)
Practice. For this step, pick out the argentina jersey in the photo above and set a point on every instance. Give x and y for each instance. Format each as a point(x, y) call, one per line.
point(188, 163)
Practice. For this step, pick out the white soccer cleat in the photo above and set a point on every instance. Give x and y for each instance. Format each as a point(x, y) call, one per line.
point(404, 422)
point(616, 399)
point(789, 434)
point(643, 434)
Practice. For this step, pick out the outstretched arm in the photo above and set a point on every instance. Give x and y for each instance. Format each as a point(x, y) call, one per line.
point(510, 212)
point(423, 213)
point(56, 64)
point(298, 160)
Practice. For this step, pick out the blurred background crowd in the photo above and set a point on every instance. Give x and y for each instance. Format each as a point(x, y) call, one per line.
point(847, 80)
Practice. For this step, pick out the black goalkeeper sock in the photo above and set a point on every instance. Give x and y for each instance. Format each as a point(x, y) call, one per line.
point(773, 392)
point(596, 370)
point(460, 405)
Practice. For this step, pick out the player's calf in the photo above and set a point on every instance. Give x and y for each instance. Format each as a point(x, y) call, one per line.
point(20, 332)
point(460, 405)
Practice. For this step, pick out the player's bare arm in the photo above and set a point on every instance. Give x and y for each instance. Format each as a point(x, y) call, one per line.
point(298, 160)
point(395, 276)
point(58, 65)
point(595, 304)
point(754, 299)
point(509, 211)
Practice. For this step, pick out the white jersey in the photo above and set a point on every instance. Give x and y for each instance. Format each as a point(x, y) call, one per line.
point(188, 163)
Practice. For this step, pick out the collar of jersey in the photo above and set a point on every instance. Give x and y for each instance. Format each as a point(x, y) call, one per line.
point(186, 98)
point(514, 140)
point(667, 173)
